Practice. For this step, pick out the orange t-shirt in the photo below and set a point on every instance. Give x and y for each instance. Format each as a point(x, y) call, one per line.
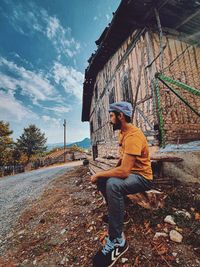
point(134, 142)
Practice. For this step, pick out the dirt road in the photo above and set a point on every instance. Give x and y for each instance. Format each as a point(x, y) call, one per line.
point(17, 191)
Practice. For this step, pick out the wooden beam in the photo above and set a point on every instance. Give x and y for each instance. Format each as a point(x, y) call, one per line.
point(144, 99)
point(186, 19)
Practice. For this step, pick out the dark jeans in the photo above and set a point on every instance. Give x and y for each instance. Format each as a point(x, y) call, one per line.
point(114, 190)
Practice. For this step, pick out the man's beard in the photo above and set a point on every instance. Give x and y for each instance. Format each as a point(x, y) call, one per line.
point(117, 125)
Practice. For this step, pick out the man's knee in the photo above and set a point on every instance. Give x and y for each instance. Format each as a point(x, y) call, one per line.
point(112, 184)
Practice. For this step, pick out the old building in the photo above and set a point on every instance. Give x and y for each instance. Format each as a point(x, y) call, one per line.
point(148, 55)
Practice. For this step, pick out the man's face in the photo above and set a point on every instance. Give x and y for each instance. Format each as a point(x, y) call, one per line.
point(116, 123)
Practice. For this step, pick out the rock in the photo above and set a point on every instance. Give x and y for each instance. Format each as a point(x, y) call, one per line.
point(158, 234)
point(175, 236)
point(180, 230)
point(166, 230)
point(174, 254)
point(79, 182)
point(42, 221)
point(34, 262)
point(25, 261)
point(124, 260)
point(21, 232)
point(169, 219)
point(64, 260)
point(63, 231)
point(184, 213)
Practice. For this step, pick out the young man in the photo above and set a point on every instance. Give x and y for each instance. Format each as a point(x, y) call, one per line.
point(133, 174)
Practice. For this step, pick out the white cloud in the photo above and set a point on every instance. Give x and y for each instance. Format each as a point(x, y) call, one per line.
point(13, 110)
point(61, 37)
point(59, 109)
point(28, 18)
point(35, 85)
point(53, 26)
point(69, 78)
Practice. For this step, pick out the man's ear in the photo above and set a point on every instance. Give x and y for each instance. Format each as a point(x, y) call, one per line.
point(120, 116)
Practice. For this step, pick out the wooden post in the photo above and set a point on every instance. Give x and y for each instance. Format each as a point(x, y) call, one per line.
point(64, 140)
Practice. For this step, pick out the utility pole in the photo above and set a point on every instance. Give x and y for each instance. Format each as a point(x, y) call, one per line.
point(64, 124)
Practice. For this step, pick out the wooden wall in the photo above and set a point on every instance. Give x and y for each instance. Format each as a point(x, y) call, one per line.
point(138, 61)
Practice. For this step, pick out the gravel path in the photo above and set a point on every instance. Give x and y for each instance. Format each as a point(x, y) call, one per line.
point(17, 191)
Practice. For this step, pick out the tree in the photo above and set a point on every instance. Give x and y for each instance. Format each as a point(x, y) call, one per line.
point(32, 142)
point(6, 143)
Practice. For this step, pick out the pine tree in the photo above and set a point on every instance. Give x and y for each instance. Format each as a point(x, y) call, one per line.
point(32, 142)
point(6, 143)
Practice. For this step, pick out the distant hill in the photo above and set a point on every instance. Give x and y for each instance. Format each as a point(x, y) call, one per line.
point(85, 143)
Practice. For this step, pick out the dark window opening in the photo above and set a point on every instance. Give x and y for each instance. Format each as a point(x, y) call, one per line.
point(126, 89)
point(112, 96)
point(96, 92)
point(94, 152)
point(99, 119)
point(91, 127)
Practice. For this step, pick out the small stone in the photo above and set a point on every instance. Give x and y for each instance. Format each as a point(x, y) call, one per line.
point(78, 182)
point(175, 236)
point(25, 261)
point(166, 230)
point(184, 213)
point(174, 254)
point(96, 238)
point(62, 261)
point(63, 231)
point(34, 262)
point(21, 232)
point(179, 229)
point(169, 219)
point(124, 260)
point(158, 234)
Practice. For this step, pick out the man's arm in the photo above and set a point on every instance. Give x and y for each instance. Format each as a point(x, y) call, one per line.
point(122, 171)
point(119, 163)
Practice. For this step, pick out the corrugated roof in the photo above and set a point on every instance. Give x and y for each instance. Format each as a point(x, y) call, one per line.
point(181, 15)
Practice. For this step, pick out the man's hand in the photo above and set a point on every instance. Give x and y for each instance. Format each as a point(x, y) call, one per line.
point(94, 178)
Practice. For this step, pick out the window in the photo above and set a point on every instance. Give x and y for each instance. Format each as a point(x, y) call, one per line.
point(126, 89)
point(112, 96)
point(91, 127)
point(99, 119)
point(96, 92)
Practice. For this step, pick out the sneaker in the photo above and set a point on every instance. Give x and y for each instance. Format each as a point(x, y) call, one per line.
point(126, 218)
point(110, 253)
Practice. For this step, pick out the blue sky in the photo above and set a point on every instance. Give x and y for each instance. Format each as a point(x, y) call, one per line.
point(44, 48)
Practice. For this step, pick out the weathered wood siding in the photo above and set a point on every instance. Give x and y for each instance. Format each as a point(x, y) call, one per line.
point(128, 75)
point(182, 63)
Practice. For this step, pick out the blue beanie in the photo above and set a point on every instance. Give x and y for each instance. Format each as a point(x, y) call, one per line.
point(125, 107)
